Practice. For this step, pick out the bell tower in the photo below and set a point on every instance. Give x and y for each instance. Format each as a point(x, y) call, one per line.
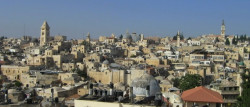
point(178, 38)
point(45, 33)
point(223, 29)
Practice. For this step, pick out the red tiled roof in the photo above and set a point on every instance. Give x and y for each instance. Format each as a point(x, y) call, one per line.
point(230, 36)
point(201, 94)
point(2, 62)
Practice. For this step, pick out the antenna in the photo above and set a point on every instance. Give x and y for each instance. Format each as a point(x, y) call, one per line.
point(24, 30)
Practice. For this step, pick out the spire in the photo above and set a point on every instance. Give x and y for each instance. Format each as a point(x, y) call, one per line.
point(45, 24)
point(88, 34)
point(178, 39)
point(223, 29)
point(127, 32)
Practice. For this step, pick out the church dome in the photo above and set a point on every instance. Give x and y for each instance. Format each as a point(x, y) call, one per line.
point(142, 81)
point(127, 36)
point(140, 84)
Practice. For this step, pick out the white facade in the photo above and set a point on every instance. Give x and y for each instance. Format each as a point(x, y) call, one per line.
point(194, 43)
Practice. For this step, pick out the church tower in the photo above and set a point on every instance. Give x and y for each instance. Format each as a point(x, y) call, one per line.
point(178, 39)
point(45, 33)
point(223, 29)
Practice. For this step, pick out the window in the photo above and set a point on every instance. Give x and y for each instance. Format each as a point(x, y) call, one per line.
point(235, 88)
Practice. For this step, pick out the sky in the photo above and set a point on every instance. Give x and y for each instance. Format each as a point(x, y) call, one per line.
point(75, 18)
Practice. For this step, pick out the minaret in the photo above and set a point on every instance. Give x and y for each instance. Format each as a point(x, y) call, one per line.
point(223, 29)
point(45, 33)
point(88, 37)
point(142, 37)
point(178, 38)
point(88, 41)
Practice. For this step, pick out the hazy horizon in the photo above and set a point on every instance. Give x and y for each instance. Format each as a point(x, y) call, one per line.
point(75, 19)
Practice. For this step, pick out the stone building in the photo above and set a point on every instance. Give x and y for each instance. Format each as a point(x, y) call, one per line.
point(14, 72)
point(60, 38)
point(78, 48)
point(38, 78)
point(45, 34)
point(68, 78)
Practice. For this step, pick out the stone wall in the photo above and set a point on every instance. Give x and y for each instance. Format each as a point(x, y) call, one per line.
point(108, 76)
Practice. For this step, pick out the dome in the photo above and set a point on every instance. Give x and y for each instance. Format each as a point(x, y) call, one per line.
point(139, 85)
point(105, 62)
point(142, 81)
point(173, 98)
point(127, 36)
point(241, 63)
point(135, 37)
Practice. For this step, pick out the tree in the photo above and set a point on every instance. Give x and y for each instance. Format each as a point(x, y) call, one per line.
point(227, 42)
point(216, 40)
point(81, 73)
point(245, 37)
point(2, 37)
point(189, 38)
point(83, 43)
point(241, 38)
point(121, 36)
point(18, 84)
point(235, 41)
point(244, 100)
point(176, 82)
point(190, 81)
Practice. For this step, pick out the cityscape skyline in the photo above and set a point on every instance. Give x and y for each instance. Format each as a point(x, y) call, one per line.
point(125, 53)
point(192, 18)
